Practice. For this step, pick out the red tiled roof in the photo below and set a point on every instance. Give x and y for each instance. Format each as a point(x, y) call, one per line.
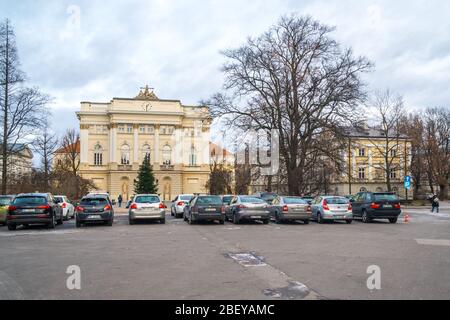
point(69, 148)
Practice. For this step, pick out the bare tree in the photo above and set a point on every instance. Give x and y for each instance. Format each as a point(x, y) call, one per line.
point(389, 144)
point(45, 145)
point(68, 163)
point(297, 80)
point(20, 108)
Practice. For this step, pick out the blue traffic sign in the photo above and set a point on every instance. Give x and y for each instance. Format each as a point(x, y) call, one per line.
point(407, 182)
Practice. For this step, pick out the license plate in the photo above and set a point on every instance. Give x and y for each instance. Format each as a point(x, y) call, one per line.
point(27, 210)
point(93, 217)
point(387, 206)
point(210, 209)
point(339, 217)
point(255, 217)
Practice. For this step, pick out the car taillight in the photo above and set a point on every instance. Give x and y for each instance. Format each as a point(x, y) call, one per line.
point(285, 208)
point(349, 207)
point(64, 205)
point(397, 206)
point(161, 205)
point(43, 207)
point(325, 205)
point(12, 208)
point(222, 209)
point(133, 206)
point(308, 209)
point(180, 203)
point(107, 207)
point(79, 209)
point(241, 206)
point(374, 205)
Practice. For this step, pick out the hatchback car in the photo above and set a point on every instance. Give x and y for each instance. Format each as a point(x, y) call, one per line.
point(290, 209)
point(94, 209)
point(147, 207)
point(5, 201)
point(178, 204)
point(67, 207)
point(204, 208)
point(331, 208)
point(34, 208)
point(376, 205)
point(248, 208)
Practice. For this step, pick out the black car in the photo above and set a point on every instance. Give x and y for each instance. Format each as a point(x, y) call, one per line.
point(204, 208)
point(94, 209)
point(34, 208)
point(376, 205)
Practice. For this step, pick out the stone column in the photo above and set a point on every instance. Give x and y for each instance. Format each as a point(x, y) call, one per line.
point(112, 142)
point(136, 143)
point(84, 143)
point(156, 145)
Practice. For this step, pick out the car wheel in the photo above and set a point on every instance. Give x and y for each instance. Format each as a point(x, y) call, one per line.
point(66, 217)
point(235, 219)
point(163, 221)
point(184, 217)
point(349, 221)
point(277, 219)
point(190, 221)
point(130, 221)
point(222, 221)
point(306, 221)
point(319, 218)
point(78, 224)
point(12, 227)
point(60, 220)
point(51, 225)
point(365, 217)
point(266, 221)
point(171, 212)
point(393, 220)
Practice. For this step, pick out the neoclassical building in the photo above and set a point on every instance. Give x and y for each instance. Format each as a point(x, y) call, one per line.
point(116, 136)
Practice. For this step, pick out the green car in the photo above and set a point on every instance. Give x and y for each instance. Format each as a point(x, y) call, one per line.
point(5, 201)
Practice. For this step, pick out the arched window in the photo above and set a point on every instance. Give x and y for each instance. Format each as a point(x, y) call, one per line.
point(146, 152)
point(193, 156)
point(167, 154)
point(98, 155)
point(125, 154)
point(362, 189)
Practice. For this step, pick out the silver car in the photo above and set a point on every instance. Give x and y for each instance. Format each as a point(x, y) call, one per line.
point(290, 208)
point(332, 208)
point(147, 207)
point(248, 208)
point(178, 204)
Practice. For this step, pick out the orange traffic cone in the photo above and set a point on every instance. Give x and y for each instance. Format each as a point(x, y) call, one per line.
point(406, 218)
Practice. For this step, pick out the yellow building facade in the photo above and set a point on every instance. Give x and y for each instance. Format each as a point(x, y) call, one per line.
point(116, 136)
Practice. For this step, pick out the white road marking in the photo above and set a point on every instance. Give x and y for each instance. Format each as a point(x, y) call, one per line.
point(434, 242)
point(36, 233)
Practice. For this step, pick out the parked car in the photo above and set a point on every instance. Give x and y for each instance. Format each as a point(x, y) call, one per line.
point(5, 201)
point(226, 199)
point(290, 209)
point(94, 208)
point(376, 205)
point(178, 204)
point(34, 208)
point(308, 199)
point(147, 207)
point(331, 208)
point(67, 207)
point(204, 208)
point(266, 196)
point(248, 208)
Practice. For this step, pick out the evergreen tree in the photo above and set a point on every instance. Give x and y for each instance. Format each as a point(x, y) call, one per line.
point(145, 182)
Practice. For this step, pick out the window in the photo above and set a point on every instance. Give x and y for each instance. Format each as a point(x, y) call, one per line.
point(150, 129)
point(121, 128)
point(98, 155)
point(146, 151)
point(125, 154)
point(166, 154)
point(142, 129)
point(393, 153)
point(362, 173)
point(193, 157)
point(393, 174)
point(130, 128)
point(362, 152)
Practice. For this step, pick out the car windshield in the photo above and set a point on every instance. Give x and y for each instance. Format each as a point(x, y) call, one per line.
point(227, 199)
point(294, 201)
point(212, 200)
point(93, 201)
point(252, 200)
point(147, 199)
point(337, 200)
point(186, 198)
point(30, 200)
point(5, 201)
point(385, 197)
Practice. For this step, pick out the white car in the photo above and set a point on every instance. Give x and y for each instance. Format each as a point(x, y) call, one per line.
point(67, 207)
point(147, 206)
point(178, 204)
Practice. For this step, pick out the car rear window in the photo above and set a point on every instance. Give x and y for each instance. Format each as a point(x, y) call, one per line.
point(212, 200)
point(186, 198)
point(268, 196)
point(93, 201)
point(337, 200)
point(59, 199)
point(147, 199)
point(227, 199)
point(252, 200)
point(30, 200)
point(384, 197)
point(5, 201)
point(295, 201)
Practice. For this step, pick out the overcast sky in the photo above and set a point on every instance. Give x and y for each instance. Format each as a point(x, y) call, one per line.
point(96, 50)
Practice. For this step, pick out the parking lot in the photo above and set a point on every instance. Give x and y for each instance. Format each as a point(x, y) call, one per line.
point(246, 261)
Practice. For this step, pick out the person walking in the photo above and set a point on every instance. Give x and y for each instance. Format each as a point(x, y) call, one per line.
point(435, 203)
point(119, 199)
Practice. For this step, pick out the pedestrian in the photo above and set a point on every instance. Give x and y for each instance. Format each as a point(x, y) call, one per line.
point(119, 199)
point(435, 203)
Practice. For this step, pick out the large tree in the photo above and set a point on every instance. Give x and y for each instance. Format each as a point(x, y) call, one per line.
point(145, 181)
point(45, 144)
point(297, 80)
point(21, 108)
